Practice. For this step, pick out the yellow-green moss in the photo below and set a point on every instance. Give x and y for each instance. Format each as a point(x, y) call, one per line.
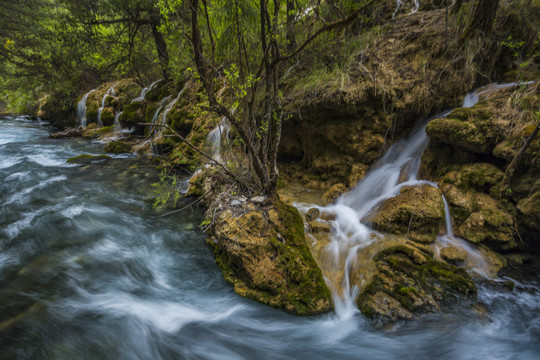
point(87, 158)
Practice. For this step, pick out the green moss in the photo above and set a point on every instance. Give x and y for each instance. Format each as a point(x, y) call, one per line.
point(105, 130)
point(87, 158)
point(117, 147)
point(414, 284)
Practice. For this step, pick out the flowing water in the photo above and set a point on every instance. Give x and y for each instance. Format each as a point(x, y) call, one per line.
point(81, 109)
point(143, 92)
point(215, 138)
point(109, 92)
point(89, 270)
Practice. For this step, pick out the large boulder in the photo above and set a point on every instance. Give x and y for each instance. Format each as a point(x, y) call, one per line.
point(417, 211)
point(262, 252)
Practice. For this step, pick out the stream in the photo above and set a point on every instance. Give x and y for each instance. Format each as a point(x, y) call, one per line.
point(90, 270)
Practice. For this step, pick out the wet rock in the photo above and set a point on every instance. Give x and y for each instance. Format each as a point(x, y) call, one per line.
point(319, 227)
point(417, 212)
point(265, 257)
point(328, 215)
point(86, 159)
point(468, 128)
point(313, 214)
point(478, 176)
point(67, 133)
point(118, 147)
point(404, 287)
point(453, 255)
point(529, 209)
point(334, 192)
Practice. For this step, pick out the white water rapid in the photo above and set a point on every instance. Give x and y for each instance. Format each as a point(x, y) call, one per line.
point(81, 109)
point(397, 168)
point(109, 92)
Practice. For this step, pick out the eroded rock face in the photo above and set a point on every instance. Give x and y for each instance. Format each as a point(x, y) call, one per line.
point(468, 154)
point(410, 282)
point(418, 212)
point(479, 217)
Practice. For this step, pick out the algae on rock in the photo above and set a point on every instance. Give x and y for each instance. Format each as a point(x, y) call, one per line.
point(417, 211)
point(409, 281)
point(264, 255)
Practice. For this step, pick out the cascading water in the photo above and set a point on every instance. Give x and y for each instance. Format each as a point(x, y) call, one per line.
point(397, 168)
point(144, 91)
point(160, 118)
point(109, 92)
point(214, 139)
point(117, 124)
point(81, 109)
point(100, 274)
point(399, 4)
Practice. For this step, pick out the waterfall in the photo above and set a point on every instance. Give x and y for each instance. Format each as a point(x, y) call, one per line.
point(397, 168)
point(143, 92)
point(117, 124)
point(399, 4)
point(81, 109)
point(160, 117)
point(215, 137)
point(109, 92)
point(415, 7)
point(171, 105)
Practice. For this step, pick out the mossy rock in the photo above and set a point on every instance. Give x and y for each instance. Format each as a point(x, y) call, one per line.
point(410, 282)
point(118, 147)
point(264, 254)
point(133, 114)
point(107, 116)
point(468, 128)
point(417, 212)
point(529, 209)
point(161, 90)
point(86, 159)
point(481, 177)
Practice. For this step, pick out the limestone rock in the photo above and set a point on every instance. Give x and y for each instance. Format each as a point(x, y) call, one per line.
point(404, 287)
point(265, 256)
point(312, 214)
point(468, 128)
point(529, 208)
point(335, 192)
point(453, 255)
point(417, 212)
point(319, 227)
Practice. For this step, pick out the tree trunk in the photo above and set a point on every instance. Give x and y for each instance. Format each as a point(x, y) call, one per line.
point(161, 47)
point(484, 15)
point(291, 39)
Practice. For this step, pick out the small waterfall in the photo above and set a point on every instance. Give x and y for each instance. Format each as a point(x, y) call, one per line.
point(399, 4)
point(117, 124)
point(170, 105)
point(397, 168)
point(161, 118)
point(215, 137)
point(415, 7)
point(143, 92)
point(81, 109)
point(109, 92)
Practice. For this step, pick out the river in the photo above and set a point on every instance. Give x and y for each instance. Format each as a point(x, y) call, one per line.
point(89, 270)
